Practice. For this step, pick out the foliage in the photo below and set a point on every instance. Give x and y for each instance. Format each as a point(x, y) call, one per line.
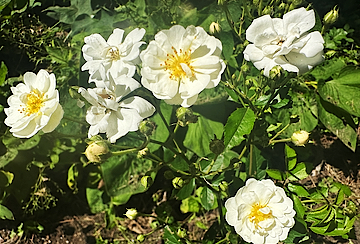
point(240, 129)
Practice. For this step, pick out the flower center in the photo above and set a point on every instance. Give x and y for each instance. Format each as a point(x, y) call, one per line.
point(113, 53)
point(259, 213)
point(33, 101)
point(179, 64)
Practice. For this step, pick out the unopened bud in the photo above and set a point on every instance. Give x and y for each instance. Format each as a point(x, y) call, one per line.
point(178, 182)
point(181, 233)
point(245, 68)
point(185, 116)
point(267, 10)
point(300, 138)
point(131, 213)
point(140, 238)
point(142, 153)
point(147, 127)
point(97, 151)
point(214, 28)
point(216, 146)
point(223, 185)
point(146, 181)
point(276, 72)
point(282, 6)
point(331, 17)
point(221, 2)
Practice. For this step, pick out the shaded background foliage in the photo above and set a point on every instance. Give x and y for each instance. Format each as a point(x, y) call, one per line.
point(49, 173)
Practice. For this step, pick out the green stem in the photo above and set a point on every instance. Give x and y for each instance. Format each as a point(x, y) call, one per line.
point(280, 140)
point(75, 120)
point(211, 165)
point(251, 160)
point(272, 140)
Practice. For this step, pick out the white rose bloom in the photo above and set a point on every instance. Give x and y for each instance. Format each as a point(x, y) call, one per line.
point(284, 42)
point(34, 105)
point(180, 63)
point(260, 212)
point(110, 113)
point(113, 56)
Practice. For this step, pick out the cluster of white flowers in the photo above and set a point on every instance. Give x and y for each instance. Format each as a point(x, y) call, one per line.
point(176, 67)
point(111, 66)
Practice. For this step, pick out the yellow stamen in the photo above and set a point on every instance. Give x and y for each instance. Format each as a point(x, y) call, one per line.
point(33, 101)
point(179, 64)
point(113, 53)
point(256, 216)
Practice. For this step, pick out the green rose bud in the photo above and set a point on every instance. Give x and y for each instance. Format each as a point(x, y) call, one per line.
point(185, 116)
point(146, 181)
point(331, 17)
point(223, 185)
point(181, 233)
point(147, 127)
point(178, 182)
point(216, 146)
point(140, 238)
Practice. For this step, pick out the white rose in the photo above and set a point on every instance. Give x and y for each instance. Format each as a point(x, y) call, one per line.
point(34, 105)
point(284, 42)
point(110, 113)
point(180, 63)
point(113, 56)
point(260, 212)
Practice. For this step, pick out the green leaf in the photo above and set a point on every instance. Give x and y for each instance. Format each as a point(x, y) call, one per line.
point(328, 69)
point(200, 134)
point(276, 174)
point(73, 174)
point(343, 91)
point(259, 164)
point(189, 204)
point(208, 199)
point(298, 189)
point(98, 200)
point(5, 213)
point(6, 178)
point(186, 190)
point(161, 132)
point(227, 41)
point(290, 157)
point(9, 156)
point(320, 229)
point(300, 172)
point(338, 122)
point(222, 161)
point(170, 237)
point(3, 73)
point(68, 15)
point(298, 206)
point(122, 176)
point(239, 123)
